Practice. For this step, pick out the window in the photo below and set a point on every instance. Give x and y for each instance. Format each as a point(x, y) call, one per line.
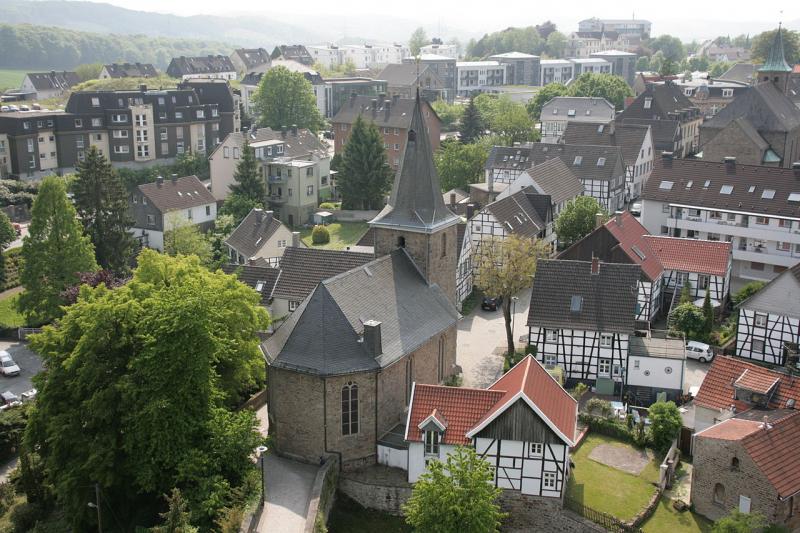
point(179, 147)
point(577, 161)
point(664, 230)
point(783, 223)
point(350, 409)
point(702, 281)
point(432, 439)
point(535, 449)
point(151, 219)
point(236, 152)
point(78, 123)
point(141, 136)
point(735, 463)
point(601, 161)
point(635, 363)
point(32, 162)
point(648, 102)
point(141, 120)
point(282, 243)
point(763, 221)
point(201, 145)
point(756, 266)
point(208, 210)
point(665, 208)
point(179, 133)
point(604, 367)
point(713, 236)
point(178, 115)
point(120, 134)
point(97, 122)
point(164, 134)
point(30, 146)
point(719, 494)
point(310, 190)
point(343, 127)
point(727, 93)
point(549, 481)
point(161, 100)
point(215, 113)
point(122, 149)
point(95, 101)
point(606, 340)
point(687, 91)
point(551, 335)
point(666, 185)
point(289, 192)
point(726, 189)
point(761, 320)
point(164, 148)
point(293, 306)
point(575, 304)
point(201, 113)
point(119, 118)
point(26, 125)
point(143, 150)
point(757, 346)
point(784, 246)
point(79, 142)
point(550, 360)
point(310, 172)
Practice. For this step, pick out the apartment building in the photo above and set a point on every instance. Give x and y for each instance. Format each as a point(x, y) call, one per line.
point(338, 91)
point(479, 76)
point(448, 50)
point(593, 65)
point(362, 56)
point(637, 27)
point(556, 71)
point(215, 67)
point(444, 66)
point(623, 64)
point(521, 69)
point(753, 207)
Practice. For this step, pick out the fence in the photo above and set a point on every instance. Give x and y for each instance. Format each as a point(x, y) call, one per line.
point(598, 517)
point(23, 333)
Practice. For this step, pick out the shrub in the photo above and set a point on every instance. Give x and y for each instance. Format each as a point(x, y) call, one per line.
point(320, 235)
point(454, 380)
point(579, 390)
point(746, 292)
point(12, 266)
point(665, 424)
point(512, 359)
point(12, 426)
point(330, 205)
point(607, 427)
point(597, 406)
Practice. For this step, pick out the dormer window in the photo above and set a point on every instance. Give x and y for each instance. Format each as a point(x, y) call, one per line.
point(432, 440)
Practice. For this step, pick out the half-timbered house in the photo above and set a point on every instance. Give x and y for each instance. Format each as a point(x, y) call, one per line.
point(769, 321)
point(506, 163)
point(553, 178)
point(464, 277)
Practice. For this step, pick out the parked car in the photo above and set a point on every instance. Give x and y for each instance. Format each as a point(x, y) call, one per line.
point(13, 108)
point(4, 109)
point(23, 107)
point(36, 107)
point(7, 365)
point(491, 304)
point(700, 351)
point(636, 209)
point(8, 399)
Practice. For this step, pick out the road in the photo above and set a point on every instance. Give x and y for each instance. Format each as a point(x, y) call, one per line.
point(18, 243)
point(29, 363)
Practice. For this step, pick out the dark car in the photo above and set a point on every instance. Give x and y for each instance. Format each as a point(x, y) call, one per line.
point(491, 304)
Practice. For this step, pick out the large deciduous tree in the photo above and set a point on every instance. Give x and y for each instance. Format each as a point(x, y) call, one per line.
point(54, 253)
point(102, 205)
point(507, 266)
point(460, 164)
point(455, 497)
point(665, 423)
point(613, 88)
point(544, 95)
point(364, 175)
point(418, 39)
point(285, 99)
point(137, 390)
point(7, 236)
point(185, 238)
point(578, 219)
point(670, 46)
point(506, 118)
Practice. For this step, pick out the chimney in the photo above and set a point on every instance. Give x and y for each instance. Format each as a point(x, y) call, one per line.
point(174, 178)
point(159, 181)
point(667, 156)
point(730, 162)
point(374, 106)
point(595, 265)
point(452, 199)
point(470, 211)
point(372, 338)
point(259, 214)
point(294, 130)
point(268, 215)
point(618, 217)
point(296, 239)
point(387, 107)
point(765, 425)
point(796, 169)
point(490, 183)
point(143, 87)
point(598, 220)
point(283, 131)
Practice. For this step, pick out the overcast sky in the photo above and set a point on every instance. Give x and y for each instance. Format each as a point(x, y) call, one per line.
point(698, 19)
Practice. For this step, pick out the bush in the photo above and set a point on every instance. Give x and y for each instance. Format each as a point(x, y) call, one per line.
point(330, 205)
point(746, 292)
point(597, 406)
point(12, 426)
point(513, 359)
point(454, 380)
point(320, 235)
point(607, 427)
point(12, 267)
point(666, 422)
point(25, 516)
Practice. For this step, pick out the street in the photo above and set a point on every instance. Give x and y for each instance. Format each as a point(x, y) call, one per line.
point(29, 363)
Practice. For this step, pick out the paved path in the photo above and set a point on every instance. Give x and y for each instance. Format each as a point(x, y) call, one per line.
point(288, 485)
point(6, 469)
point(482, 341)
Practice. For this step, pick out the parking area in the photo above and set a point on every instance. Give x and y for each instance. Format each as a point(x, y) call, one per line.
point(695, 374)
point(29, 363)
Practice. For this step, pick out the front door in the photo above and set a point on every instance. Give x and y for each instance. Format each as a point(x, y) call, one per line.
point(744, 504)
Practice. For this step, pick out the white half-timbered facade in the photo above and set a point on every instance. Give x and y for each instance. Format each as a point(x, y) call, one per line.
point(506, 163)
point(464, 277)
point(769, 321)
point(553, 178)
point(584, 355)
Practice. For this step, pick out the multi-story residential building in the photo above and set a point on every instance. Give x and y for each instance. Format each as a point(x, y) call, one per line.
point(708, 94)
point(556, 71)
point(5, 157)
point(444, 66)
point(404, 79)
point(521, 69)
point(295, 167)
point(592, 65)
point(293, 52)
point(158, 207)
point(250, 82)
point(447, 50)
point(574, 109)
point(636, 142)
point(478, 76)
point(730, 54)
point(128, 70)
point(633, 27)
point(339, 91)
point(392, 116)
point(753, 207)
point(586, 43)
point(668, 102)
point(131, 128)
point(46, 85)
point(362, 56)
point(214, 67)
point(247, 60)
point(623, 64)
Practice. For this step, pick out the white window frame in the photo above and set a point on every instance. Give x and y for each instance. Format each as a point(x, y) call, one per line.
point(535, 449)
point(550, 359)
point(760, 320)
point(604, 367)
point(551, 335)
point(433, 440)
point(293, 305)
point(606, 340)
point(549, 480)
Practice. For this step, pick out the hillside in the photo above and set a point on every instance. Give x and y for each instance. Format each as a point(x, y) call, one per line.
point(39, 47)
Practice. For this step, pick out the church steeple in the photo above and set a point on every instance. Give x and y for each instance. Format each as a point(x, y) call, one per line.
point(775, 68)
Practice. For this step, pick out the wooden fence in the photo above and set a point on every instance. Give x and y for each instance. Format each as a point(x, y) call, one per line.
point(598, 517)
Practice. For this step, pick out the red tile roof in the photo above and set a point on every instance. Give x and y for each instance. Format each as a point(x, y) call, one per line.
point(691, 255)
point(756, 382)
point(631, 236)
point(717, 390)
point(461, 407)
point(730, 429)
point(774, 450)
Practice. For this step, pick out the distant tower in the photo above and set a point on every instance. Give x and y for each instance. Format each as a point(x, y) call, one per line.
point(776, 69)
point(416, 217)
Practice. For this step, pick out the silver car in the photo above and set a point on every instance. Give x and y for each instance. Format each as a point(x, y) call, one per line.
point(7, 365)
point(700, 351)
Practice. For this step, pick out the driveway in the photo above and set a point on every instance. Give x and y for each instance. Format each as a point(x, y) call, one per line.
point(288, 490)
point(29, 363)
point(695, 374)
point(18, 242)
point(482, 341)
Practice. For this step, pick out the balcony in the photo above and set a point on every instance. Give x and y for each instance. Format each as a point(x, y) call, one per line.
point(737, 229)
point(277, 199)
point(276, 179)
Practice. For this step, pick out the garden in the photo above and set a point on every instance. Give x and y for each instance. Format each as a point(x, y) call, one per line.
point(340, 235)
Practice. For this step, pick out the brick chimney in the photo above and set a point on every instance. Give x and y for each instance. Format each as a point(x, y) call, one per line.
point(618, 217)
point(796, 169)
point(598, 220)
point(296, 239)
point(452, 199)
point(470, 210)
point(174, 178)
point(372, 338)
point(159, 181)
point(259, 215)
point(595, 265)
point(730, 163)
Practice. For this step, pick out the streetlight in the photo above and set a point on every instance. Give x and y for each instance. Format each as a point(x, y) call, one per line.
point(94, 505)
point(262, 452)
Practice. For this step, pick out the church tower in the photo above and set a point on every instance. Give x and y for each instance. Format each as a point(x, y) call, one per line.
point(416, 217)
point(775, 69)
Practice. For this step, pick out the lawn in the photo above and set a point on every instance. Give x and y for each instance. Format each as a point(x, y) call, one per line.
point(348, 516)
point(591, 483)
point(11, 79)
point(343, 234)
point(9, 316)
point(667, 520)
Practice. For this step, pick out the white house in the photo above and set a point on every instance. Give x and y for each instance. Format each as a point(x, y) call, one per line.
point(568, 109)
point(552, 178)
point(523, 425)
point(478, 76)
point(260, 236)
point(464, 277)
point(769, 322)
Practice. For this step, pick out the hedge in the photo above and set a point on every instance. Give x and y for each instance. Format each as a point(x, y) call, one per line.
point(12, 426)
point(607, 427)
point(11, 261)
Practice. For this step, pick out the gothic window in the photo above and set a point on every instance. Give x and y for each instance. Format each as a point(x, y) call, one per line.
point(444, 245)
point(441, 357)
point(350, 409)
point(719, 493)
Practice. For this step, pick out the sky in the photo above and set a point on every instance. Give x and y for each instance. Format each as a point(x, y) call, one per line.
point(715, 17)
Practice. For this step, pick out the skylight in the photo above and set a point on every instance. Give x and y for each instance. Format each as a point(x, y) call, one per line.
point(570, 112)
point(666, 185)
point(600, 128)
point(726, 189)
point(707, 184)
point(768, 194)
point(638, 252)
point(794, 197)
point(751, 189)
point(578, 160)
point(259, 286)
point(575, 304)
point(601, 161)
point(689, 184)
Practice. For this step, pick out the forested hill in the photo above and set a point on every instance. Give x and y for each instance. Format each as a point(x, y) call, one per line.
point(32, 47)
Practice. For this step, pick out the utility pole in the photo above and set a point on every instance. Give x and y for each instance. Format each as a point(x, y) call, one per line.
point(97, 506)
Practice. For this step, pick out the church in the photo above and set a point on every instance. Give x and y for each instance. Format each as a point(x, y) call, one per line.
point(341, 368)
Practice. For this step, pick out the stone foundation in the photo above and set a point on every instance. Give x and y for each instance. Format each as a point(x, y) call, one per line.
point(377, 487)
point(532, 513)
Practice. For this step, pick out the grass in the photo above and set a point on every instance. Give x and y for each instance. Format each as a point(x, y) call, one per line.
point(11, 78)
point(348, 516)
point(667, 520)
point(343, 234)
point(9, 316)
point(592, 482)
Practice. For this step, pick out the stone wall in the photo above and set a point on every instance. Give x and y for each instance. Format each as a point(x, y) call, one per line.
point(532, 513)
point(296, 421)
point(323, 493)
point(360, 448)
point(377, 487)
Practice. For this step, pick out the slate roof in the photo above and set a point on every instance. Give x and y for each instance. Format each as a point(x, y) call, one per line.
point(665, 132)
point(388, 112)
point(609, 297)
point(683, 172)
point(299, 145)
point(629, 137)
point(517, 214)
point(313, 77)
point(781, 296)
point(509, 157)
point(764, 106)
point(416, 201)
point(296, 52)
point(253, 57)
point(667, 103)
point(255, 277)
point(580, 109)
point(555, 179)
point(181, 193)
point(691, 255)
point(405, 75)
point(45, 81)
point(323, 335)
point(131, 70)
point(717, 391)
point(741, 72)
point(253, 232)
point(303, 268)
point(588, 167)
point(181, 66)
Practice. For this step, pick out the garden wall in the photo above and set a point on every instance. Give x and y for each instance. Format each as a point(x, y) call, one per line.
point(377, 487)
point(531, 513)
point(323, 493)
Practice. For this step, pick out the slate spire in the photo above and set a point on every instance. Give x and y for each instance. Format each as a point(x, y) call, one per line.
point(416, 203)
point(776, 60)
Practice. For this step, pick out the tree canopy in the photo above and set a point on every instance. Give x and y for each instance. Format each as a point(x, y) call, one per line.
point(286, 98)
point(689, 320)
point(248, 190)
point(450, 114)
point(184, 238)
point(459, 164)
point(613, 88)
point(418, 39)
point(506, 118)
point(527, 40)
point(136, 396)
point(670, 46)
point(763, 42)
point(472, 125)
point(578, 219)
point(544, 95)
point(7, 236)
point(665, 423)
point(364, 175)
point(739, 522)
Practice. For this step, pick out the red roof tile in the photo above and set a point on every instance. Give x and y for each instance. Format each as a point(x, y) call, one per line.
point(717, 390)
point(461, 407)
point(774, 450)
point(730, 429)
point(631, 236)
point(756, 382)
point(691, 255)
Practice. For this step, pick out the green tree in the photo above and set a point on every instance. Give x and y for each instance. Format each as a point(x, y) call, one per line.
point(455, 497)
point(665, 423)
point(613, 88)
point(668, 67)
point(739, 522)
point(88, 71)
point(670, 46)
point(643, 63)
point(578, 219)
point(556, 44)
point(507, 266)
point(763, 42)
point(418, 39)
point(718, 68)
point(286, 98)
point(54, 253)
point(7, 236)
point(238, 207)
point(472, 125)
point(688, 319)
point(248, 190)
point(460, 164)
point(656, 61)
point(185, 238)
point(708, 312)
point(137, 392)
point(746, 292)
point(364, 176)
point(102, 205)
point(176, 518)
point(686, 293)
point(506, 118)
point(450, 114)
point(544, 95)
point(527, 40)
